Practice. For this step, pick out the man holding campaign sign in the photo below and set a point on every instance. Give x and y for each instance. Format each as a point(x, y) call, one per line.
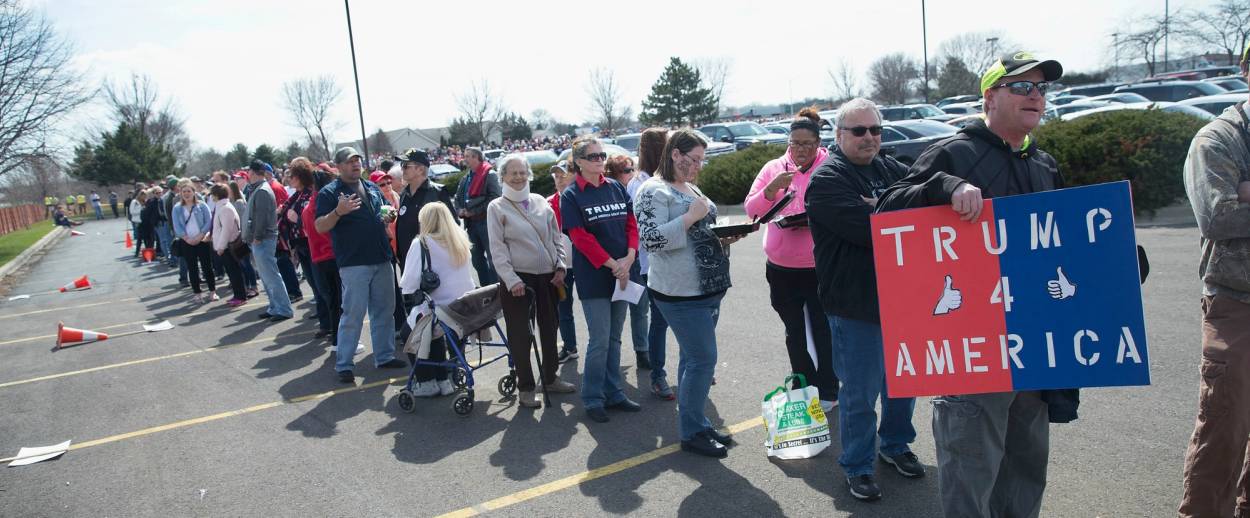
point(997, 303)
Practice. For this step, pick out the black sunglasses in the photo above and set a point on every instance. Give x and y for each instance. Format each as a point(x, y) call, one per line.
point(629, 169)
point(595, 157)
point(1024, 88)
point(859, 131)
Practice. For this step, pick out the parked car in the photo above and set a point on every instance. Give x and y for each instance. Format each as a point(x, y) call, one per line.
point(1202, 73)
point(1065, 99)
point(1214, 104)
point(957, 99)
point(906, 140)
point(439, 171)
point(779, 127)
point(1172, 91)
point(1121, 97)
point(742, 134)
point(629, 141)
point(715, 149)
point(968, 108)
point(540, 157)
point(914, 111)
point(1089, 90)
point(493, 154)
point(611, 149)
point(1230, 83)
point(1163, 105)
point(1055, 112)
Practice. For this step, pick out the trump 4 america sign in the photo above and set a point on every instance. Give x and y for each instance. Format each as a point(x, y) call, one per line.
point(1041, 292)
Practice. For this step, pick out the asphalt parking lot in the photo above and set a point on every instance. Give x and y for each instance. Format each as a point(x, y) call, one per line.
point(225, 416)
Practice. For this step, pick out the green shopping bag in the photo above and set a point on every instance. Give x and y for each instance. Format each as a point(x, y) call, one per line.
point(795, 424)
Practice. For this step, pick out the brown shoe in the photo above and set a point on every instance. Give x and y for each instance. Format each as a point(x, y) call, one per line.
point(527, 400)
point(560, 387)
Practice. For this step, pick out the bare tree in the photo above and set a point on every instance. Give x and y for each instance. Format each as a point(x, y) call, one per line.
point(1225, 26)
point(715, 75)
point(481, 108)
point(139, 105)
point(608, 110)
point(976, 50)
point(893, 77)
point(38, 84)
point(308, 101)
point(845, 81)
point(1145, 40)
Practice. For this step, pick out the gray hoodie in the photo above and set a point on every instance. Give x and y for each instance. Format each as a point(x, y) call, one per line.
point(261, 221)
point(1219, 159)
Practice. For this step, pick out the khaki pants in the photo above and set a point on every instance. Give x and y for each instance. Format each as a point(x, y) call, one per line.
point(1216, 462)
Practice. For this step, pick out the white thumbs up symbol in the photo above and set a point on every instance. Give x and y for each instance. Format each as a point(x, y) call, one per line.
point(1060, 288)
point(950, 301)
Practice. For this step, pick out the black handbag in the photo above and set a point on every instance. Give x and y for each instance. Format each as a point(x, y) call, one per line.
point(429, 279)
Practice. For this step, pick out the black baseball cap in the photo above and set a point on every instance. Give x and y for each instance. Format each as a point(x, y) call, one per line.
point(1017, 63)
point(257, 166)
point(414, 155)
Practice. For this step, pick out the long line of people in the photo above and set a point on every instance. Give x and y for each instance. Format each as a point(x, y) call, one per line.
point(365, 247)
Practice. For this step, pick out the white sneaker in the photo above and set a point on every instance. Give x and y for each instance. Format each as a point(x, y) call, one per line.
point(360, 347)
point(445, 388)
point(425, 389)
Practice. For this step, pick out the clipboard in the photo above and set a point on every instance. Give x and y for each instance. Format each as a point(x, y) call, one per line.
point(747, 228)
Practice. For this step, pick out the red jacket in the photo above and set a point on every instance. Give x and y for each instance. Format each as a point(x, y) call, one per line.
point(318, 243)
point(279, 192)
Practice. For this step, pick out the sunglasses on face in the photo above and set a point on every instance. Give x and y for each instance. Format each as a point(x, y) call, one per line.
point(629, 170)
point(1025, 88)
point(859, 131)
point(595, 157)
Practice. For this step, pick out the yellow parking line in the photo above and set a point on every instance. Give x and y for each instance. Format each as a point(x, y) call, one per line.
point(216, 417)
point(583, 477)
point(149, 360)
point(65, 308)
point(205, 309)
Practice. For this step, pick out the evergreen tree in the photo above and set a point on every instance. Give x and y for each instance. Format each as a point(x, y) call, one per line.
point(462, 133)
point(956, 79)
point(123, 156)
point(678, 98)
point(379, 142)
point(515, 127)
point(264, 153)
point(238, 156)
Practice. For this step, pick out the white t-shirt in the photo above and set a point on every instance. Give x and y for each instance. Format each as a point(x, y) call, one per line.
point(454, 281)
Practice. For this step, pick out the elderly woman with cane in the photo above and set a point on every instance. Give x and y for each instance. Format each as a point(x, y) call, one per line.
point(529, 257)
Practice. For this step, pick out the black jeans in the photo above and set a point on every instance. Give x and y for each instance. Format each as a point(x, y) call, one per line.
point(438, 353)
point(199, 259)
point(792, 291)
point(234, 272)
point(286, 269)
point(330, 287)
point(479, 236)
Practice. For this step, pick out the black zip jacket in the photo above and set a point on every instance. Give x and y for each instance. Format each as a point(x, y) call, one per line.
point(838, 216)
point(978, 156)
point(406, 225)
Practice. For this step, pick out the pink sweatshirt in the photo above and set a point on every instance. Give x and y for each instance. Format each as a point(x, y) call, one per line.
point(788, 247)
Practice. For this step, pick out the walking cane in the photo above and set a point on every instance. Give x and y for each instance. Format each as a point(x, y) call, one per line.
point(532, 322)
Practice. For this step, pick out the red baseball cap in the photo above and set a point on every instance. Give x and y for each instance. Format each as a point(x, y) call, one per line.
point(377, 176)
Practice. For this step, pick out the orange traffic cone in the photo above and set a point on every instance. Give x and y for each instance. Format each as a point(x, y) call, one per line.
point(67, 336)
point(81, 283)
point(129, 242)
point(149, 254)
point(76, 233)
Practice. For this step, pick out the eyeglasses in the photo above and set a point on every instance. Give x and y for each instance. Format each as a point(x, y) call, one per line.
point(804, 143)
point(595, 157)
point(1025, 88)
point(629, 170)
point(859, 131)
point(698, 161)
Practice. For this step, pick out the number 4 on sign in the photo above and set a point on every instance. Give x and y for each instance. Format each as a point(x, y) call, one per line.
point(1002, 294)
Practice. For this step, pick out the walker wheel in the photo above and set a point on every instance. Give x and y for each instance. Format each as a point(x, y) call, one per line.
point(507, 385)
point(406, 402)
point(463, 405)
point(459, 378)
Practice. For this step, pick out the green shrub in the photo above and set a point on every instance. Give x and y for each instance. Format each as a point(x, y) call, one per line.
point(1147, 147)
point(727, 179)
point(542, 184)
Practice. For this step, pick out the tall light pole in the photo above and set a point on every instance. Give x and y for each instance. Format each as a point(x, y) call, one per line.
point(993, 41)
point(1115, 44)
point(1167, 29)
point(924, 31)
point(360, 110)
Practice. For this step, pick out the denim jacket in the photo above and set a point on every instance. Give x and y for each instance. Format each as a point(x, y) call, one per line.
point(201, 214)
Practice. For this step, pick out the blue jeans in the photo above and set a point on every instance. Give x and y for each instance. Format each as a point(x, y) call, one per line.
point(267, 267)
point(482, 262)
point(694, 325)
point(166, 237)
point(568, 326)
point(657, 338)
point(601, 374)
point(99, 215)
point(367, 287)
point(859, 364)
point(638, 322)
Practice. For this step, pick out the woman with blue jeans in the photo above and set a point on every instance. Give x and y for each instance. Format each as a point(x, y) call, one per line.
point(599, 219)
point(689, 275)
point(650, 151)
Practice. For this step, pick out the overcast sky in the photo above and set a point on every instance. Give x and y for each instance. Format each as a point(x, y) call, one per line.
point(224, 61)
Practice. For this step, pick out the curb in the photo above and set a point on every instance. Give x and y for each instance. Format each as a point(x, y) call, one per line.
point(29, 254)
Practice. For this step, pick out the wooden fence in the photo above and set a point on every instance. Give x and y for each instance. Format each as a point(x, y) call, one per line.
point(20, 217)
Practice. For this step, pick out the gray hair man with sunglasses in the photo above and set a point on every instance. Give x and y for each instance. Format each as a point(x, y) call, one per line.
point(992, 449)
point(841, 196)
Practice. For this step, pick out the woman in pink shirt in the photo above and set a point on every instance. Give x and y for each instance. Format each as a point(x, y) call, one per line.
point(791, 268)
